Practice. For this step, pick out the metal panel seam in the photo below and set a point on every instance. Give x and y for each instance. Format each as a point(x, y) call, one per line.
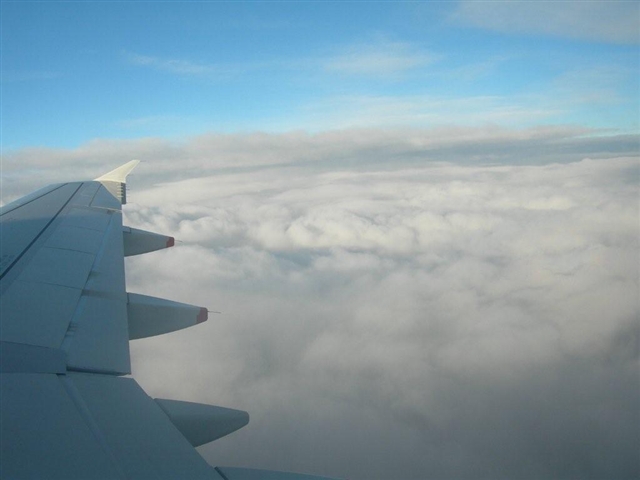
point(26, 249)
point(220, 473)
point(35, 198)
point(76, 319)
point(65, 346)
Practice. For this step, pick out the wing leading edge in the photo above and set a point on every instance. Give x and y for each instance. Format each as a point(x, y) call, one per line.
point(65, 324)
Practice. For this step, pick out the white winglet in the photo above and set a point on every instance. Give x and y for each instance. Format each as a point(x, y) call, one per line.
point(120, 173)
point(116, 180)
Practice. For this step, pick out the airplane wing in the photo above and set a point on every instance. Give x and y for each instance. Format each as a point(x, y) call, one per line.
point(66, 319)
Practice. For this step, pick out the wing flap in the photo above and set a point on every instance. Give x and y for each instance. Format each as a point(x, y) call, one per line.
point(94, 341)
point(37, 313)
point(98, 336)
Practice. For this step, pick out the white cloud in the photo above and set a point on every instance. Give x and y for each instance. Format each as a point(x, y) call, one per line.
point(601, 21)
point(212, 155)
point(453, 303)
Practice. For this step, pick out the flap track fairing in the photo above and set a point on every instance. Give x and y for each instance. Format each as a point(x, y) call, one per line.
point(137, 242)
point(150, 316)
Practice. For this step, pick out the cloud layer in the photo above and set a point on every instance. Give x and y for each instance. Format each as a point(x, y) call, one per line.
point(459, 303)
point(415, 322)
point(214, 153)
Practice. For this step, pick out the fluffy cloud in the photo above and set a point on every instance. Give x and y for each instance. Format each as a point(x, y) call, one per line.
point(426, 304)
point(428, 321)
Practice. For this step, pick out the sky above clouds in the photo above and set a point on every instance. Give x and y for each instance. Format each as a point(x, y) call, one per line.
point(73, 71)
point(420, 220)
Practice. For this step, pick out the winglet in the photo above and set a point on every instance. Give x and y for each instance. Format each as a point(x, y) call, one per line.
point(120, 173)
point(116, 180)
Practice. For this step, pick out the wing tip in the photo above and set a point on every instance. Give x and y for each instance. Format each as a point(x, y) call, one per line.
point(119, 174)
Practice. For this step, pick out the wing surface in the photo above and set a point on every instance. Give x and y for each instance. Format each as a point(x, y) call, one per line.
point(66, 320)
point(62, 277)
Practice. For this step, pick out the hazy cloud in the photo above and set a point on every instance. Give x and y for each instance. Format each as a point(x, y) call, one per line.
point(347, 111)
point(600, 21)
point(379, 58)
point(212, 154)
point(187, 68)
point(183, 67)
point(162, 121)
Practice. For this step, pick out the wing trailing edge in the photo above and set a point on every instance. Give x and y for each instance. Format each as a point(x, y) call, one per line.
point(229, 473)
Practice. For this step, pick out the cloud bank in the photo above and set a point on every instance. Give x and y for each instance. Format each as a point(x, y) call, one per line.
point(459, 303)
point(214, 153)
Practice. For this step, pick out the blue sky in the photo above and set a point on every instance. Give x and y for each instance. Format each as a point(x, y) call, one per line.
point(77, 71)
